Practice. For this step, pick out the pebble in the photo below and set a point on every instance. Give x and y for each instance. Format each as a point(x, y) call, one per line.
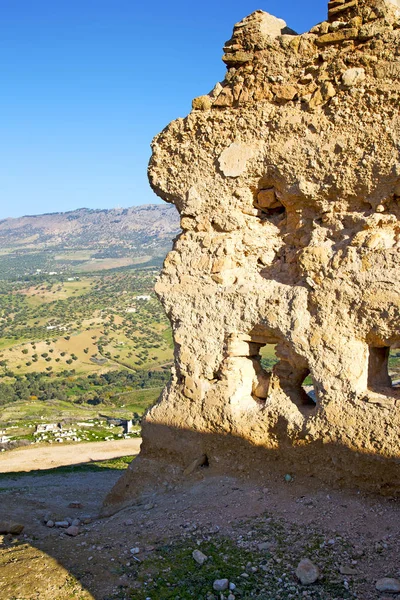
point(232, 587)
point(72, 530)
point(76, 522)
point(214, 529)
point(307, 572)
point(199, 557)
point(50, 523)
point(388, 584)
point(62, 524)
point(347, 571)
point(220, 585)
point(75, 505)
point(134, 550)
point(264, 546)
point(231, 597)
point(353, 76)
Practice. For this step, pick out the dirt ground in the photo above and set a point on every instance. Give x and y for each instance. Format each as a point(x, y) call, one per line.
point(358, 536)
point(47, 457)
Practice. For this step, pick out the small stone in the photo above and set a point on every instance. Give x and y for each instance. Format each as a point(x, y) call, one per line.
point(50, 523)
point(76, 522)
point(64, 524)
point(199, 557)
point(75, 504)
point(149, 506)
point(337, 36)
point(235, 59)
point(232, 587)
point(214, 529)
point(307, 572)
point(264, 546)
point(231, 597)
point(388, 584)
point(288, 478)
point(233, 159)
point(347, 571)
point(220, 585)
point(352, 77)
point(72, 530)
point(284, 93)
point(202, 103)
point(134, 550)
point(268, 199)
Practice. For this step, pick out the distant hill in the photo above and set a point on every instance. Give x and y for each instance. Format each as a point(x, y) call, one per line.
point(87, 228)
point(86, 240)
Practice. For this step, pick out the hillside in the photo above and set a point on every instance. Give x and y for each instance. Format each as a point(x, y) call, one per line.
point(81, 330)
point(86, 240)
point(89, 228)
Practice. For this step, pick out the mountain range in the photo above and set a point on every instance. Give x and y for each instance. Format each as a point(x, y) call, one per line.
point(86, 240)
point(88, 228)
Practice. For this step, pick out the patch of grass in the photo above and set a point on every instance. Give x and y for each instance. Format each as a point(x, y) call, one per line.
point(171, 573)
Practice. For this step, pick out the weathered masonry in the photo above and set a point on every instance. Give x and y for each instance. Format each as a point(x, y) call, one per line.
point(287, 180)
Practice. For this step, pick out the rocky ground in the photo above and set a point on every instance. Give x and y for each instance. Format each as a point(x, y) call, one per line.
point(252, 535)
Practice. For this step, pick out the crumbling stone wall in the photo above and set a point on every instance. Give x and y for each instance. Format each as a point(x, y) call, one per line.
point(287, 180)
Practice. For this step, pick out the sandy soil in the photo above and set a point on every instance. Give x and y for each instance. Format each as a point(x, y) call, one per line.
point(47, 457)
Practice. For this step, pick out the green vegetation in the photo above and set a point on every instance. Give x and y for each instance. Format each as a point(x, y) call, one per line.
point(264, 574)
point(105, 388)
point(95, 323)
point(74, 349)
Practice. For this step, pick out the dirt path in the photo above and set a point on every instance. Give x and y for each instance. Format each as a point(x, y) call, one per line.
point(48, 457)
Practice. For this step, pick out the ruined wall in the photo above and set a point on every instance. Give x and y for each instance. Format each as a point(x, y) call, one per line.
point(287, 180)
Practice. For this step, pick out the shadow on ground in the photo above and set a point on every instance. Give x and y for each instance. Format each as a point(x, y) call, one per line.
point(163, 505)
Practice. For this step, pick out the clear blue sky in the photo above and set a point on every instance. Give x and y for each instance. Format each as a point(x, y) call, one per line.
point(86, 84)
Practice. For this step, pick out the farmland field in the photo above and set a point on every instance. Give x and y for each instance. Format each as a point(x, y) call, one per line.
point(96, 347)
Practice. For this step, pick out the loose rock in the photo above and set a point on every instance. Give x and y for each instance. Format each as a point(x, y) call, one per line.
point(307, 572)
point(352, 77)
point(62, 524)
point(388, 584)
point(199, 557)
point(11, 527)
point(220, 585)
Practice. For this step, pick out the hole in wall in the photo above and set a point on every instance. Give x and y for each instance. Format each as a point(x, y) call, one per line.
point(394, 365)
point(308, 387)
point(384, 368)
point(295, 380)
point(205, 462)
point(263, 362)
point(268, 357)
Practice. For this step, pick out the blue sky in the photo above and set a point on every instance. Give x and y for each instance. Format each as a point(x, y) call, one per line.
point(86, 84)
